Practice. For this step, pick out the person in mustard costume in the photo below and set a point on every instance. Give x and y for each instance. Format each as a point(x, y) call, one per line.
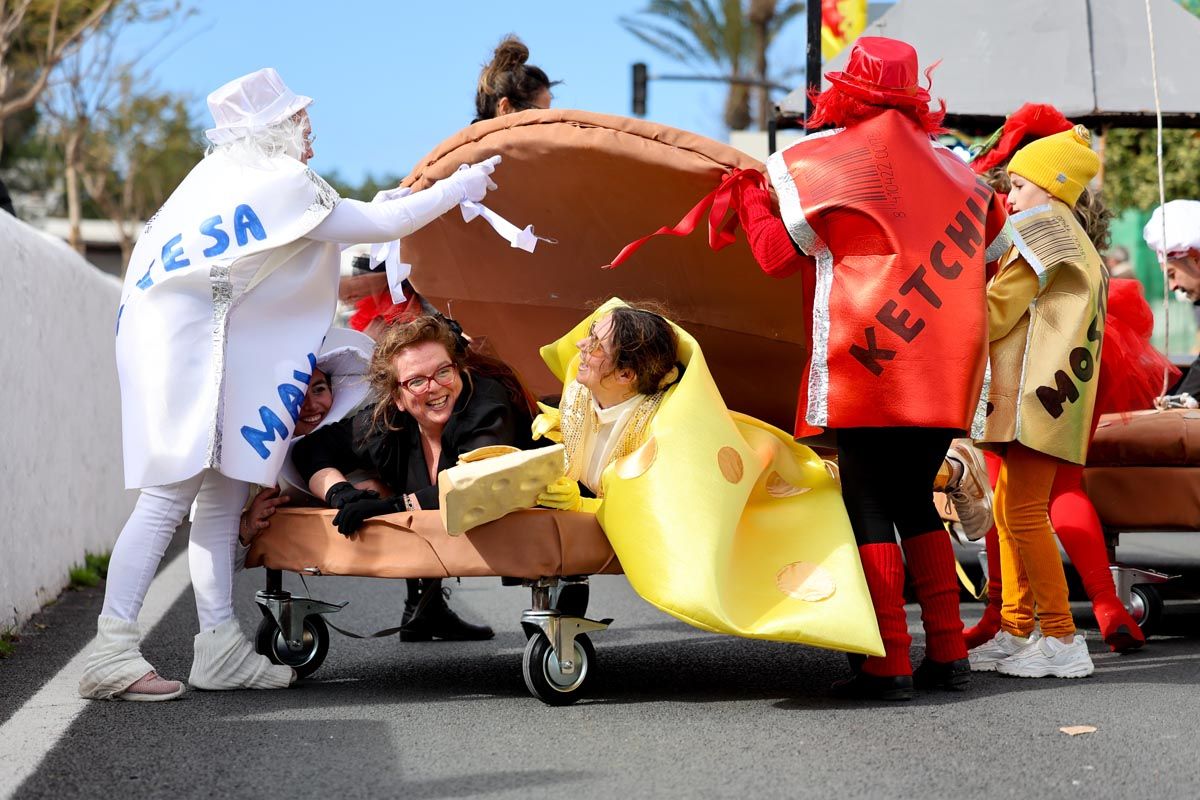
point(718, 519)
point(1046, 316)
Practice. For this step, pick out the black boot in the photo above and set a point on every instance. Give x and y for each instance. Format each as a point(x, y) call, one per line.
point(865, 686)
point(427, 616)
point(952, 676)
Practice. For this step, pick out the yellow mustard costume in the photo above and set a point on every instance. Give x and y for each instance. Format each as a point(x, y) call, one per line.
point(725, 522)
point(1045, 352)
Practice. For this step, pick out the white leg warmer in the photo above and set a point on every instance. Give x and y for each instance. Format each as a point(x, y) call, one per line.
point(115, 662)
point(141, 545)
point(212, 547)
point(225, 659)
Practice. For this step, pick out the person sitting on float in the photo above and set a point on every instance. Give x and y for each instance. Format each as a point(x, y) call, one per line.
point(434, 399)
point(626, 363)
point(228, 295)
point(721, 520)
point(338, 385)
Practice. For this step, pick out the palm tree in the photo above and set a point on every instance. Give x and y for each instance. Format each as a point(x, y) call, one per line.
point(732, 36)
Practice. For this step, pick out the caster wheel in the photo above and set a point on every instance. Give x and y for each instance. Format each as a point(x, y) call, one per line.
point(269, 641)
point(545, 679)
point(571, 599)
point(1145, 606)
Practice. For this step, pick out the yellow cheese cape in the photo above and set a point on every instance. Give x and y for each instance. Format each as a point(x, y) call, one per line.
point(727, 523)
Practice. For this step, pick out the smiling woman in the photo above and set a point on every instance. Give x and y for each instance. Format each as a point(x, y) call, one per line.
point(434, 399)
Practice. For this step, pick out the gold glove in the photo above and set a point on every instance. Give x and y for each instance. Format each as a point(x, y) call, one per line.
point(546, 424)
point(562, 494)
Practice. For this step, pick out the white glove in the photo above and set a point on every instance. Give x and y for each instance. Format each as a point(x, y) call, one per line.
point(472, 182)
point(383, 195)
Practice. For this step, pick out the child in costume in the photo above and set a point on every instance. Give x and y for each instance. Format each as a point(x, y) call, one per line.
point(1046, 311)
point(1130, 378)
point(894, 234)
point(718, 519)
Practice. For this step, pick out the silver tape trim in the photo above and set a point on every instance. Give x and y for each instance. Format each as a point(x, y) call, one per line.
point(1000, 244)
point(222, 301)
point(818, 374)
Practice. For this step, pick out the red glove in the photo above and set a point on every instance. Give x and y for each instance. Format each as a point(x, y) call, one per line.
point(769, 240)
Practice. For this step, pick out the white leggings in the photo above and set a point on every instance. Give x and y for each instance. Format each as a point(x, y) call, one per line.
point(211, 546)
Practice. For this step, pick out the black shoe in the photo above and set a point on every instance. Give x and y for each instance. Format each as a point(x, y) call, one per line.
point(432, 618)
point(865, 686)
point(953, 676)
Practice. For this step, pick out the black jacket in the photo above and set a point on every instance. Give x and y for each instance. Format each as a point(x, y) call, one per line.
point(483, 415)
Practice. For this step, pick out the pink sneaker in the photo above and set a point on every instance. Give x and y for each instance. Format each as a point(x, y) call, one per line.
point(150, 688)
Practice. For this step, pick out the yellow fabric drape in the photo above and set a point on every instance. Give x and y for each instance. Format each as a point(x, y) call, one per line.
point(727, 523)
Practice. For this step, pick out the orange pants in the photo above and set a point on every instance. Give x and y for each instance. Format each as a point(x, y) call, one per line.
point(1030, 566)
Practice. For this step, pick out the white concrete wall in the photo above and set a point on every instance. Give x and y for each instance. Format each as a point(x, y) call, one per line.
point(61, 487)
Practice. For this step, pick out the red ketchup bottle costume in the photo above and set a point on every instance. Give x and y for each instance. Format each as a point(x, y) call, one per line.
point(891, 234)
point(1130, 378)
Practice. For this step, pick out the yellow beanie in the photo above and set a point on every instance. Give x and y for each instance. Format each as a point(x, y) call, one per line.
point(1061, 164)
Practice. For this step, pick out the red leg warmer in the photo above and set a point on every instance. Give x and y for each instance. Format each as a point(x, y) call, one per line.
point(1074, 519)
point(930, 559)
point(883, 567)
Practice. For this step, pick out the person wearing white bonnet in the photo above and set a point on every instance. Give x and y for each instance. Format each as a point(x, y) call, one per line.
point(1180, 248)
point(228, 295)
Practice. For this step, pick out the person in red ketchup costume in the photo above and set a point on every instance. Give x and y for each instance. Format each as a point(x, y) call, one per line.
point(892, 237)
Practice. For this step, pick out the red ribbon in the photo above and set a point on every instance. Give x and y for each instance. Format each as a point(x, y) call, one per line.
point(721, 206)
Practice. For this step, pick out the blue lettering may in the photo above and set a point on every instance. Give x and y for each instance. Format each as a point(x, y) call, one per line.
point(292, 399)
point(246, 221)
point(272, 427)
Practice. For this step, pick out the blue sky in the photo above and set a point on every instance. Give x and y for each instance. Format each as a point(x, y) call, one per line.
point(393, 79)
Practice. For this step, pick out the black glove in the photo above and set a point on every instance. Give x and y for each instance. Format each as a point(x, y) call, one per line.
point(353, 514)
point(345, 492)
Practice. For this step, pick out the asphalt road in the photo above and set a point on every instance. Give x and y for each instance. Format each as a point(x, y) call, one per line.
point(674, 712)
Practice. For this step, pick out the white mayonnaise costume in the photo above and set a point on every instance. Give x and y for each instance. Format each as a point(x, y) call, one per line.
point(229, 292)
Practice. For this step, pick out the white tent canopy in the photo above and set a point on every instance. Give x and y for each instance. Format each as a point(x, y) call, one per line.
point(1088, 58)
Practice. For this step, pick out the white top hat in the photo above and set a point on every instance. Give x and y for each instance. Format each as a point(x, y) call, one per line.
point(251, 102)
point(1183, 228)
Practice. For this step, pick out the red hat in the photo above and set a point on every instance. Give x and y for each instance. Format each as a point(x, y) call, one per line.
point(1030, 121)
point(882, 72)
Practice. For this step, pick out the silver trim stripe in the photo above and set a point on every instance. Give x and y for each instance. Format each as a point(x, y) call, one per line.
point(222, 299)
point(1000, 244)
point(818, 374)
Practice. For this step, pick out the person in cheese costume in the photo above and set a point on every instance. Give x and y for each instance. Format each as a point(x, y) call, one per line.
point(1046, 311)
point(229, 292)
point(891, 235)
point(718, 519)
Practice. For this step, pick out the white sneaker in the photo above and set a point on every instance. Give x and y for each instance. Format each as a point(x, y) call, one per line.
point(972, 493)
point(1048, 656)
point(1003, 645)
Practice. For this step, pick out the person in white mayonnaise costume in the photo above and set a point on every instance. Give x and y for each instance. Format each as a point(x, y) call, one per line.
point(229, 292)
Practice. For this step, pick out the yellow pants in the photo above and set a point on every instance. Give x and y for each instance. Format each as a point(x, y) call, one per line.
point(1030, 566)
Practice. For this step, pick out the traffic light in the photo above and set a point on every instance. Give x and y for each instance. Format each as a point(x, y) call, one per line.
point(639, 89)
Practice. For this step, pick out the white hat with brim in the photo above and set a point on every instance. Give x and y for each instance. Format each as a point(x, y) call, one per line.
point(251, 103)
point(1182, 228)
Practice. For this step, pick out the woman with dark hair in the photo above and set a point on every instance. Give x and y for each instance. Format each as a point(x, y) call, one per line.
point(507, 84)
point(626, 363)
point(431, 405)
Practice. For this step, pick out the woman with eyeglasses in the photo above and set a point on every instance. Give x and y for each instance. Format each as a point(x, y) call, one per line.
point(434, 398)
point(626, 363)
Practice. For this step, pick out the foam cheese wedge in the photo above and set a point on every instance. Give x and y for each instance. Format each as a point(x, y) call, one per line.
point(479, 490)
